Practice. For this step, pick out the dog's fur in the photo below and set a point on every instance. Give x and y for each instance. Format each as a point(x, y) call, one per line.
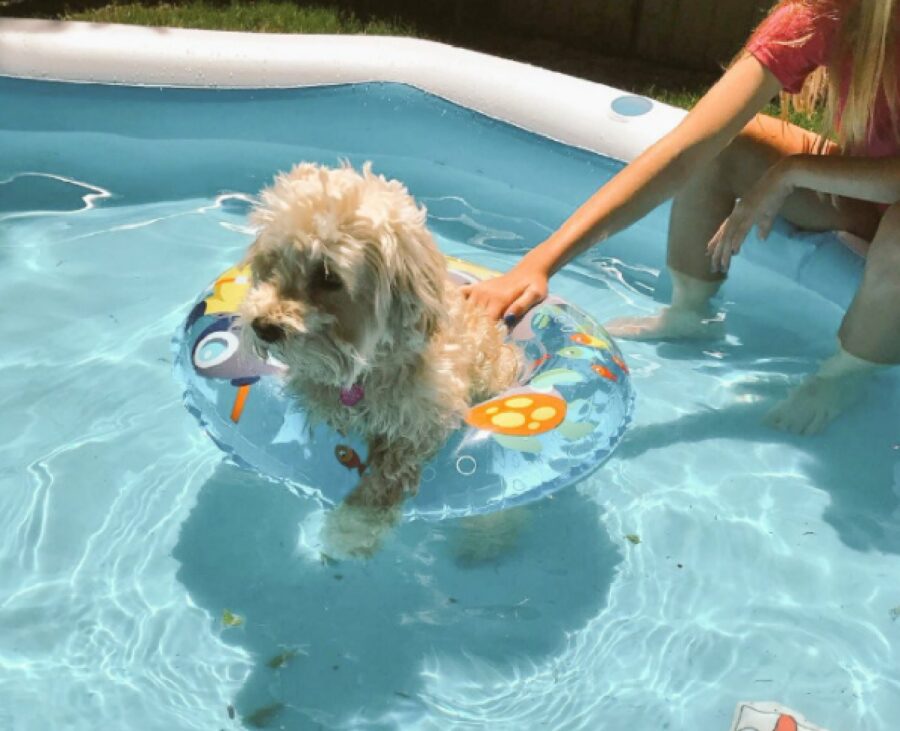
point(349, 288)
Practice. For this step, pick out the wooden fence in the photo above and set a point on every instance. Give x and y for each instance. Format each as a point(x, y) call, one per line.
point(693, 33)
point(699, 34)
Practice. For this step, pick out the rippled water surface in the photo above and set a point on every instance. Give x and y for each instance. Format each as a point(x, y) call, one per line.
point(145, 584)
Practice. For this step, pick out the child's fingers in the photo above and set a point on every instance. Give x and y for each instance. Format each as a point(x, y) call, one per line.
point(724, 258)
point(729, 246)
point(492, 304)
point(480, 298)
point(524, 302)
point(714, 242)
point(717, 247)
point(712, 252)
point(716, 239)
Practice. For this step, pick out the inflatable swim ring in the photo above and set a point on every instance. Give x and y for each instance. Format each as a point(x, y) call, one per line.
point(557, 425)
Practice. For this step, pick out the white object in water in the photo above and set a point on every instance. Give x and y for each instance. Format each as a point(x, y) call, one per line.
point(769, 717)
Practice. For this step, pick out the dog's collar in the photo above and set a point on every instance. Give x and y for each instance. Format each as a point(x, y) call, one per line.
point(353, 395)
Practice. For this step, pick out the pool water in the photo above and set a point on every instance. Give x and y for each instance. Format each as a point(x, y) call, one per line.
point(145, 584)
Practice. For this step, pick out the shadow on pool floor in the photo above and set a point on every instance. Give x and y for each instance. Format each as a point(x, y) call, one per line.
point(855, 460)
point(334, 639)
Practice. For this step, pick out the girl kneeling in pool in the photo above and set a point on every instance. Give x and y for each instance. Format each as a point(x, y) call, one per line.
point(840, 53)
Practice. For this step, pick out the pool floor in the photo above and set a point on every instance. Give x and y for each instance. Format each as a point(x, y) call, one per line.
point(147, 585)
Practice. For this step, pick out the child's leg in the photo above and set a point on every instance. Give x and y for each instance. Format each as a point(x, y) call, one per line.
point(871, 327)
point(869, 339)
point(703, 204)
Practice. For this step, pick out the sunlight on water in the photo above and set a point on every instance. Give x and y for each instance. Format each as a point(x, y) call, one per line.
point(147, 585)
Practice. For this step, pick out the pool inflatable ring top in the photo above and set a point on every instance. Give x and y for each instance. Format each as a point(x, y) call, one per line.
point(557, 425)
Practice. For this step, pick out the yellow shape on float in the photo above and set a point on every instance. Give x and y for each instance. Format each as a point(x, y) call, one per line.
point(508, 420)
point(229, 290)
point(519, 414)
point(543, 413)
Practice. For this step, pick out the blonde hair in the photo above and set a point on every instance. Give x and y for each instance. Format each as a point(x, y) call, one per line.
point(865, 34)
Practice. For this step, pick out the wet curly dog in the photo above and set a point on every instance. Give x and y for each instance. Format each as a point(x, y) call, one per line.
point(351, 293)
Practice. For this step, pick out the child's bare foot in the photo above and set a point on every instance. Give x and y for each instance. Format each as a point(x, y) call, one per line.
point(823, 396)
point(814, 404)
point(688, 318)
point(670, 323)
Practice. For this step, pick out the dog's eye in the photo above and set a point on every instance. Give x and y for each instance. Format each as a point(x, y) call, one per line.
point(324, 278)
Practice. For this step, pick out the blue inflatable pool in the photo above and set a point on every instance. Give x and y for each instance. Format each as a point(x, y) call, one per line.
point(557, 425)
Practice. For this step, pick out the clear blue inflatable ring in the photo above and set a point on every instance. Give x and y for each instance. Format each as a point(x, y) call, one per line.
point(561, 421)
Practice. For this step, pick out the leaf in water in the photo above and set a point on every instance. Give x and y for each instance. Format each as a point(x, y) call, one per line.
point(229, 619)
point(261, 717)
point(282, 659)
point(895, 613)
point(634, 538)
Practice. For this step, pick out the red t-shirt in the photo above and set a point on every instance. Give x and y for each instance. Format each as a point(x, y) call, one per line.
point(794, 41)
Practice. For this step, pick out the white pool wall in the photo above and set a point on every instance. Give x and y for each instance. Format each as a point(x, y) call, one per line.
point(561, 107)
point(574, 111)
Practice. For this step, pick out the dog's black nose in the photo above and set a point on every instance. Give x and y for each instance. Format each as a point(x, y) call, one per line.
point(267, 331)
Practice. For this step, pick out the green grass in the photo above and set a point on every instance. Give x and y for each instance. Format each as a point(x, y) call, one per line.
point(683, 98)
point(801, 119)
point(687, 98)
point(268, 16)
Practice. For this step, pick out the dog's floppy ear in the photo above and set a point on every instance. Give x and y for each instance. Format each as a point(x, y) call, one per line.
point(418, 283)
point(413, 265)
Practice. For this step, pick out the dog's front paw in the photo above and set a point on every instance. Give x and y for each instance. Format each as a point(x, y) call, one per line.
point(376, 492)
point(356, 531)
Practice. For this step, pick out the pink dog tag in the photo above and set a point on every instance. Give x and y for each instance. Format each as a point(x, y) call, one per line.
point(353, 395)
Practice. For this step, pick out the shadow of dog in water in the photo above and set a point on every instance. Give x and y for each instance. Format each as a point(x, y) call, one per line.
point(339, 640)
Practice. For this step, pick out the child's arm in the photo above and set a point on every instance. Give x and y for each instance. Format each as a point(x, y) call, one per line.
point(865, 178)
point(645, 183)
